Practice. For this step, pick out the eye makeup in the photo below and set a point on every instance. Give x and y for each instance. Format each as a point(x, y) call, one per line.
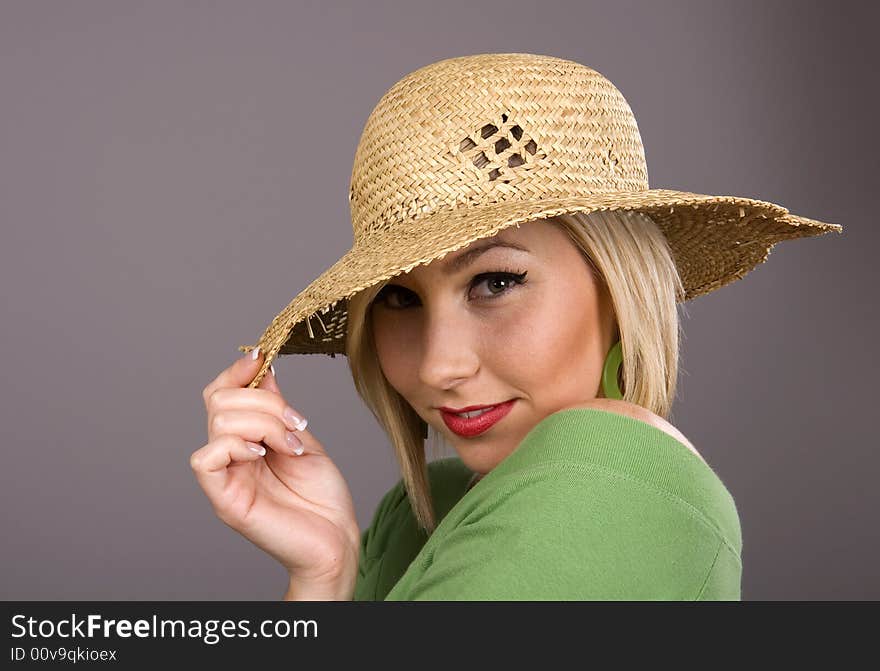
point(512, 277)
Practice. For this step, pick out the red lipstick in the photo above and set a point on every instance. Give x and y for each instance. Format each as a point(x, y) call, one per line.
point(473, 426)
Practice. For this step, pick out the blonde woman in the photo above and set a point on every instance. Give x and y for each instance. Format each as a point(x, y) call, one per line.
point(512, 293)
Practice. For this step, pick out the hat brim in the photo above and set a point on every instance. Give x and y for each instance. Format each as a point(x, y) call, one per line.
point(715, 240)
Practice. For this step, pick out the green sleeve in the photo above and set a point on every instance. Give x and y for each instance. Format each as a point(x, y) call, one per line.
point(576, 533)
point(369, 561)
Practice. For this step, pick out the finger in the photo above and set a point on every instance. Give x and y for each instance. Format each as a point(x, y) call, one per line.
point(210, 462)
point(240, 374)
point(255, 427)
point(269, 382)
point(259, 399)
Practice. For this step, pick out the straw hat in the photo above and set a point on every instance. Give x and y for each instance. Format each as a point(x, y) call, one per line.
point(462, 148)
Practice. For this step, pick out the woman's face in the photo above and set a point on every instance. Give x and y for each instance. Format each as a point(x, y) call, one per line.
point(489, 324)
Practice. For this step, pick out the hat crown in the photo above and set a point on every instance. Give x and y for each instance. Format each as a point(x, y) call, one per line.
point(491, 128)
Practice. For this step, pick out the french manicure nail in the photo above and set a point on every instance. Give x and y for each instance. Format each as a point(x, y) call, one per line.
point(255, 354)
point(294, 442)
point(260, 451)
point(294, 420)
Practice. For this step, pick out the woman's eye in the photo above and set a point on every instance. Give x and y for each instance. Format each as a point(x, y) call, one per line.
point(389, 291)
point(497, 284)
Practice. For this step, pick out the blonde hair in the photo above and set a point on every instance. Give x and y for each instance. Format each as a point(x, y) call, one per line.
point(630, 258)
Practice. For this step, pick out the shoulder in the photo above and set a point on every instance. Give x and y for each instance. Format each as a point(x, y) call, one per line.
point(639, 413)
point(565, 530)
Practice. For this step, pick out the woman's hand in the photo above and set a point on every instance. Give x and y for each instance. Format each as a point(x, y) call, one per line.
point(295, 507)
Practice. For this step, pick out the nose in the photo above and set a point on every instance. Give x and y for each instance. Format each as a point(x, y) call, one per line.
point(449, 353)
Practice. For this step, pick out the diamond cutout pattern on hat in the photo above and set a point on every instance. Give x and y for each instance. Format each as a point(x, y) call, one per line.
point(498, 149)
point(609, 158)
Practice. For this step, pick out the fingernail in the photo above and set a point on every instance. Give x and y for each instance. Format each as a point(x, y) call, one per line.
point(260, 451)
point(294, 442)
point(272, 368)
point(255, 354)
point(294, 420)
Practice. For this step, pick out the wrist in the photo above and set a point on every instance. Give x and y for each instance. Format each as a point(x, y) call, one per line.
point(331, 586)
point(336, 584)
point(341, 589)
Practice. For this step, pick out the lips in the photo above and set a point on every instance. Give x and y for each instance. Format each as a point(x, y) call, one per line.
point(473, 426)
point(466, 409)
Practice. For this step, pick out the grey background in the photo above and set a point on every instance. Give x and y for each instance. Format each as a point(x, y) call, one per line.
point(173, 173)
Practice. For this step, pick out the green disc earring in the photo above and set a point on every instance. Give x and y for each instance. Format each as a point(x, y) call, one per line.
point(609, 373)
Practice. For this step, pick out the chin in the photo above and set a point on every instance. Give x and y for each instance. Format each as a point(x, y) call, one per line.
point(480, 459)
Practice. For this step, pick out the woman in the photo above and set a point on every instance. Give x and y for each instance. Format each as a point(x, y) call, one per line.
point(508, 253)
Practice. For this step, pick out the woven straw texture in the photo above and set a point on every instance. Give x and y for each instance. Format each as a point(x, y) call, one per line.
point(463, 148)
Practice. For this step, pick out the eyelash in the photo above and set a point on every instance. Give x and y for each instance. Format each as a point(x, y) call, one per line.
point(517, 277)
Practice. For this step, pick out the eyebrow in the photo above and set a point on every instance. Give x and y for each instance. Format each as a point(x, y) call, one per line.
point(471, 255)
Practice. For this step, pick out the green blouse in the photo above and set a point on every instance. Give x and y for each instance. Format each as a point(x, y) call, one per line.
point(592, 505)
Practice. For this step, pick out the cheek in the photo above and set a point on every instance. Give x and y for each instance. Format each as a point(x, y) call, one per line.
point(560, 342)
point(579, 354)
point(515, 337)
point(393, 349)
